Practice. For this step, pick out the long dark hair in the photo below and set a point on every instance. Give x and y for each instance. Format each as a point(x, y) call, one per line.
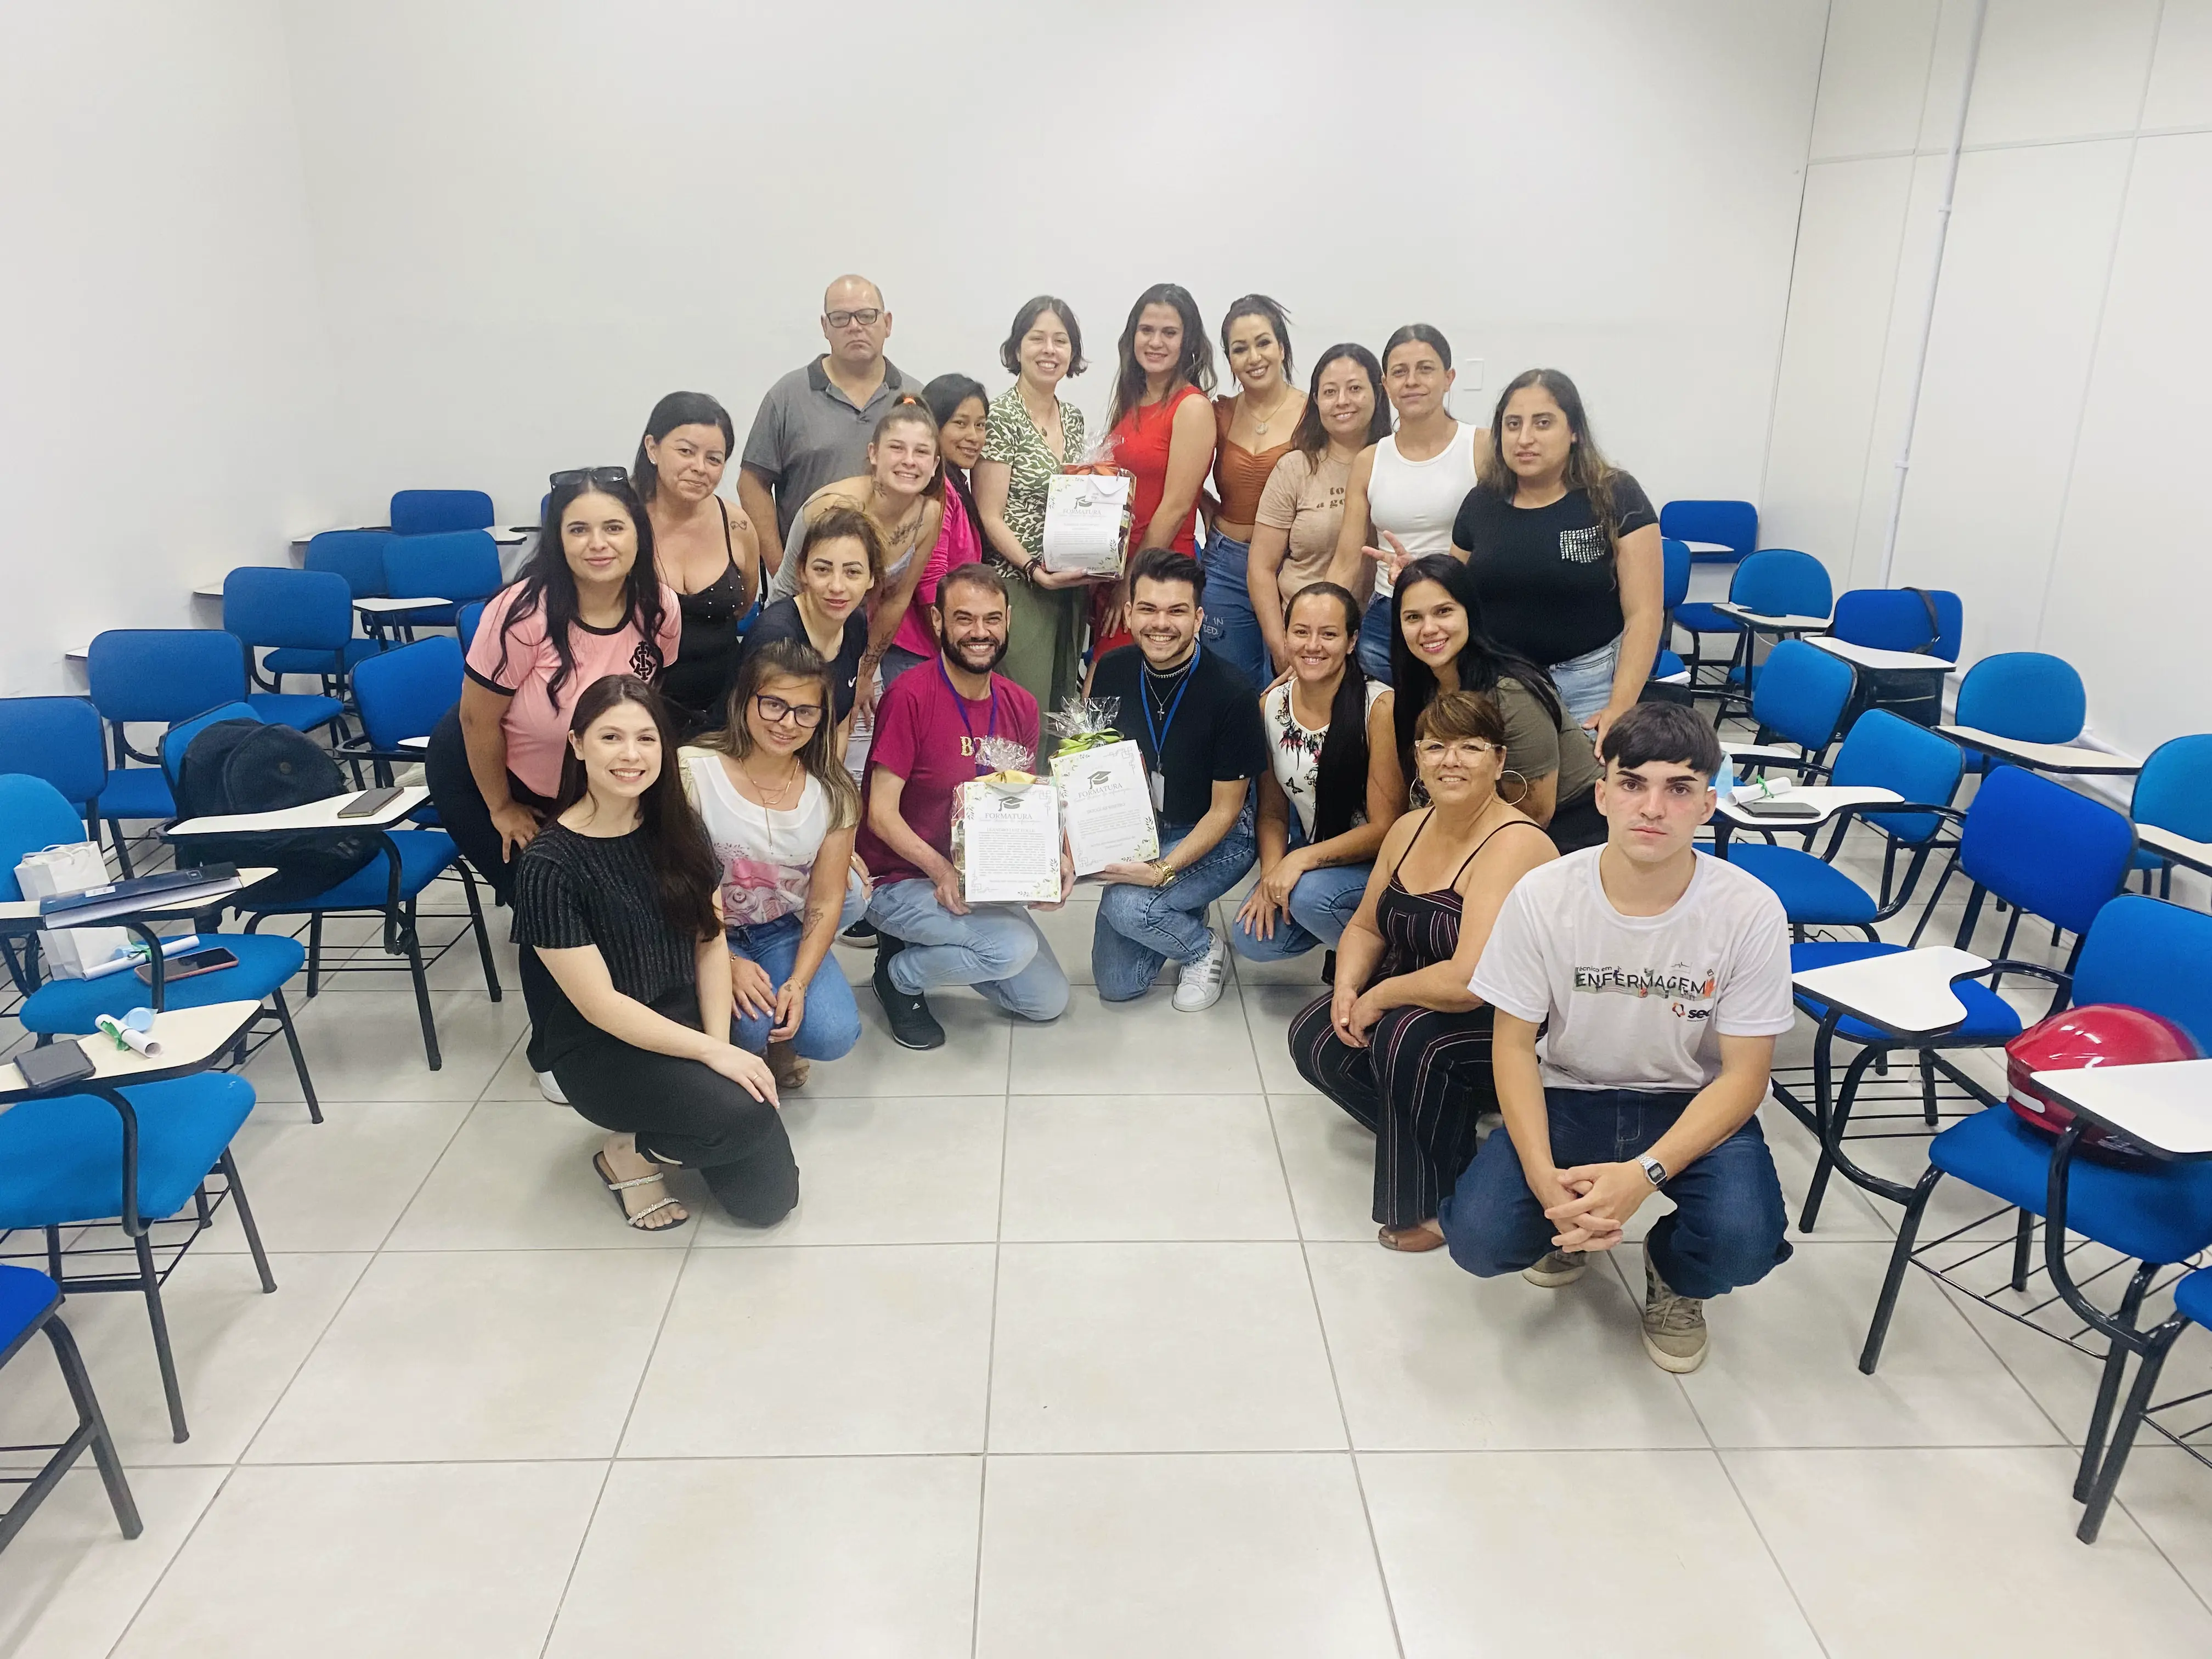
point(685, 870)
point(1588, 470)
point(791, 660)
point(1310, 438)
point(1341, 777)
point(1195, 366)
point(678, 409)
point(944, 395)
point(1268, 310)
point(1482, 661)
point(547, 585)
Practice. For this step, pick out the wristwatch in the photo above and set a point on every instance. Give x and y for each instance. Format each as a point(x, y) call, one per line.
point(1654, 1170)
point(1168, 872)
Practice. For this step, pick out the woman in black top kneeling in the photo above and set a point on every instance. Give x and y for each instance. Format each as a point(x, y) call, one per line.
point(618, 895)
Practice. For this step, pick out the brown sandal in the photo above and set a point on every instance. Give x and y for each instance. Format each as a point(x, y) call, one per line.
point(1425, 1235)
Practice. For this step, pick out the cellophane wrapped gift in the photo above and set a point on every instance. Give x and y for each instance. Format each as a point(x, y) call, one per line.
point(1090, 505)
point(1005, 838)
point(1105, 801)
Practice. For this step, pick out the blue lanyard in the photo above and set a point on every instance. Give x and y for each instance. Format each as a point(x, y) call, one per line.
point(1160, 735)
point(991, 727)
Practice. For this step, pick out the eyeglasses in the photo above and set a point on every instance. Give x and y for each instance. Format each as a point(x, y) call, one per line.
point(600, 477)
point(1429, 752)
point(775, 711)
point(868, 318)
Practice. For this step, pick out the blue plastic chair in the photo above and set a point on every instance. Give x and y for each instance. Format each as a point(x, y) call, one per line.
point(1887, 619)
point(154, 676)
point(357, 555)
point(308, 611)
point(2032, 844)
point(454, 568)
point(2027, 695)
point(469, 616)
point(1801, 697)
point(58, 739)
point(33, 815)
point(432, 511)
point(2142, 954)
point(1732, 525)
point(31, 1302)
point(1882, 751)
point(1775, 581)
point(2192, 1305)
point(1667, 665)
point(2173, 792)
point(389, 887)
point(402, 695)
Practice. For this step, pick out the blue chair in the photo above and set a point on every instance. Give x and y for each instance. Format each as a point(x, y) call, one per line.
point(402, 695)
point(1882, 751)
point(2192, 1305)
point(389, 887)
point(1775, 581)
point(2028, 695)
point(154, 676)
point(432, 511)
point(2036, 846)
point(454, 568)
point(1887, 619)
point(2173, 792)
point(31, 816)
point(1730, 525)
point(130, 1156)
point(1666, 664)
point(30, 1303)
point(469, 615)
point(309, 610)
point(1801, 697)
point(2144, 954)
point(357, 555)
point(59, 740)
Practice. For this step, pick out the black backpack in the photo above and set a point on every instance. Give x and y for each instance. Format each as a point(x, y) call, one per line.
point(243, 766)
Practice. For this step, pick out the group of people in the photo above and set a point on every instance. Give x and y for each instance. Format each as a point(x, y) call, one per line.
point(1399, 680)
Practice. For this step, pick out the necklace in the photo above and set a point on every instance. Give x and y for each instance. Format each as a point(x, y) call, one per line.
point(774, 803)
point(1259, 425)
point(1042, 430)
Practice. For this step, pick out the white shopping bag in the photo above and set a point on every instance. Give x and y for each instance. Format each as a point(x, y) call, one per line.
point(1087, 522)
point(70, 867)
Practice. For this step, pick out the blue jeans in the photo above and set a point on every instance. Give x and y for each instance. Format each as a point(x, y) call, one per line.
point(830, 1024)
point(1140, 927)
point(996, 948)
point(1232, 630)
point(896, 661)
point(1322, 903)
point(1374, 647)
point(1726, 1228)
point(1585, 685)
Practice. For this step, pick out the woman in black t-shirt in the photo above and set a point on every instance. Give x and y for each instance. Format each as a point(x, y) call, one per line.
point(838, 563)
point(618, 895)
point(1564, 551)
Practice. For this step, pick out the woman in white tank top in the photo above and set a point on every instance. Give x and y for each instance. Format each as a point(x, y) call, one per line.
point(1406, 491)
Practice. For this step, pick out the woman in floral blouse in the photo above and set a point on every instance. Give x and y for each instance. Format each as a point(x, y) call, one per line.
point(1031, 435)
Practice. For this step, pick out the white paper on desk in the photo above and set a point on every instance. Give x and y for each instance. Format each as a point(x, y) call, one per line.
point(1085, 522)
point(1107, 804)
point(1009, 832)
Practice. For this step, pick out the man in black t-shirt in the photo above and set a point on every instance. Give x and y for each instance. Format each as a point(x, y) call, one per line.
point(1197, 720)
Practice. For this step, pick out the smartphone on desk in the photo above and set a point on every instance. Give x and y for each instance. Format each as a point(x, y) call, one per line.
point(1780, 807)
point(212, 960)
point(57, 1063)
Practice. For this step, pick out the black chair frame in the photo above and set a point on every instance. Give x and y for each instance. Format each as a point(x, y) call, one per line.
point(91, 1433)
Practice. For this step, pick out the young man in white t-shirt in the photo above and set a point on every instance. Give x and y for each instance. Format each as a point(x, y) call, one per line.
point(1664, 976)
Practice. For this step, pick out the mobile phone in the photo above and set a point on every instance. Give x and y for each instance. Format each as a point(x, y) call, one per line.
point(370, 802)
point(1782, 808)
point(56, 1063)
point(209, 961)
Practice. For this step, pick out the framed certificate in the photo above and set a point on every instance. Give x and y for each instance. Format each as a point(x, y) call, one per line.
point(1006, 840)
point(1109, 808)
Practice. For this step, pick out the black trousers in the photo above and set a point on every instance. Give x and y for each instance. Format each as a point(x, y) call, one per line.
point(685, 1113)
point(1577, 824)
point(466, 817)
point(1420, 1084)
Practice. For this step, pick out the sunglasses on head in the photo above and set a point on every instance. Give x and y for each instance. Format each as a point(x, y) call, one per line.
point(603, 477)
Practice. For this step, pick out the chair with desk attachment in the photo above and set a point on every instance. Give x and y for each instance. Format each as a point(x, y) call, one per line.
point(30, 1303)
point(154, 676)
point(2172, 810)
point(1775, 582)
point(433, 512)
point(305, 610)
point(446, 571)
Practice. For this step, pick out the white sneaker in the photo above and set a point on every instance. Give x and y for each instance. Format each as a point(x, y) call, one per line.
point(549, 1086)
point(1199, 985)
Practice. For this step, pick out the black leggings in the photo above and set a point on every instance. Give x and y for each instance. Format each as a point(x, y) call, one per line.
point(683, 1112)
point(464, 815)
point(1420, 1084)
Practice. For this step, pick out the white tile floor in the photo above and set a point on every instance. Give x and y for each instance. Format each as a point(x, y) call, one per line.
point(1078, 1344)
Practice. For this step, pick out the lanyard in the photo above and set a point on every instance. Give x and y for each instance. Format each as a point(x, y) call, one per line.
point(991, 726)
point(1159, 734)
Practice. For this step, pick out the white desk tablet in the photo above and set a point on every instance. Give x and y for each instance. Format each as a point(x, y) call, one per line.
point(1711, 547)
point(315, 815)
point(2071, 758)
point(1904, 991)
point(2165, 1107)
point(1868, 656)
point(1765, 624)
point(384, 607)
point(1828, 798)
point(189, 1038)
point(2197, 854)
point(22, 915)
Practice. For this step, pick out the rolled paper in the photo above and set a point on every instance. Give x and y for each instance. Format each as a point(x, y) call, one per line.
point(141, 1043)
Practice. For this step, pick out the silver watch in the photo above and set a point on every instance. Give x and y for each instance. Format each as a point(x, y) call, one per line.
point(1654, 1170)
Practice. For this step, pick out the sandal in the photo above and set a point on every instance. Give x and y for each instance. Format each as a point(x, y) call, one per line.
point(618, 1187)
point(1421, 1236)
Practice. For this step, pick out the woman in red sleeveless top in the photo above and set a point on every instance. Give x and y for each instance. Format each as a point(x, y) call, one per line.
point(1162, 430)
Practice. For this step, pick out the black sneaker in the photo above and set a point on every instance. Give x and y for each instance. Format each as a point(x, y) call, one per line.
point(1328, 967)
point(862, 933)
point(913, 1026)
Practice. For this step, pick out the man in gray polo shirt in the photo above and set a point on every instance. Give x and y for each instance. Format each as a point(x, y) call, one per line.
point(813, 426)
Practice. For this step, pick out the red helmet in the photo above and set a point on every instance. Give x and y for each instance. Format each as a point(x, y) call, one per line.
point(2103, 1033)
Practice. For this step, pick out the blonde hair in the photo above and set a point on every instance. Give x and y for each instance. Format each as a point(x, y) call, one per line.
point(790, 659)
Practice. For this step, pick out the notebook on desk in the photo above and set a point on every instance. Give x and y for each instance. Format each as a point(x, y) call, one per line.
point(171, 889)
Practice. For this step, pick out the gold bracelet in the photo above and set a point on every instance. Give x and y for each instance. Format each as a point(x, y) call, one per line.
point(1168, 872)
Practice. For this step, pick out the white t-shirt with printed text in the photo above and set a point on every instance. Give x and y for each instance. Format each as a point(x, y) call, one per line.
point(1638, 1002)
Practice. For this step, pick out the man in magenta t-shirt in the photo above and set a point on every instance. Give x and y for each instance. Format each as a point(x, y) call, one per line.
point(939, 726)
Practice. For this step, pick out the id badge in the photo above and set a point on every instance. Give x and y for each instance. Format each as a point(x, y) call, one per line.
point(1159, 784)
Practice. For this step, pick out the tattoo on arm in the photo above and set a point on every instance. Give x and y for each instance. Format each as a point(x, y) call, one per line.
point(815, 911)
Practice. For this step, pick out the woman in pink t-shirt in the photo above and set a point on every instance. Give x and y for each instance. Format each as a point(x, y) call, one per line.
point(963, 413)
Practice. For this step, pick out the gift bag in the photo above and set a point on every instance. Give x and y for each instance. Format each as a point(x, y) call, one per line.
point(1089, 507)
point(1105, 799)
point(1005, 838)
point(66, 868)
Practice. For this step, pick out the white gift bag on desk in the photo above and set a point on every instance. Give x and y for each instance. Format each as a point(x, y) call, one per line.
point(1087, 519)
point(66, 868)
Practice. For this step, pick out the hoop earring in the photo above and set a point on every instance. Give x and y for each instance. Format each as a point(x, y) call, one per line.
point(1513, 800)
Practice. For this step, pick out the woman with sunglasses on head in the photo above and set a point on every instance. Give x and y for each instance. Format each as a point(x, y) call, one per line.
point(703, 546)
point(962, 412)
point(1564, 550)
point(782, 811)
point(1254, 430)
point(615, 899)
point(1320, 815)
point(1440, 645)
point(902, 496)
point(1399, 1042)
point(1301, 511)
point(837, 560)
point(1404, 492)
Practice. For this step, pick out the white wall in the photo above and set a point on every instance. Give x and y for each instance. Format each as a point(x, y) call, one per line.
point(163, 410)
point(531, 219)
point(2055, 478)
